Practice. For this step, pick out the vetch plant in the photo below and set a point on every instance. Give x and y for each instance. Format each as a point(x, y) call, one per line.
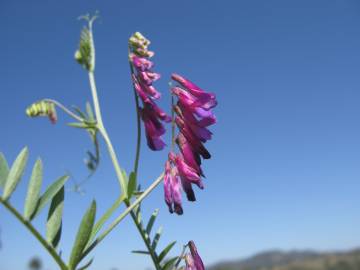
point(191, 114)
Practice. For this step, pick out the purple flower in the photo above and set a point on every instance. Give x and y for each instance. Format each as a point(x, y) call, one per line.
point(189, 261)
point(193, 117)
point(172, 189)
point(198, 263)
point(143, 78)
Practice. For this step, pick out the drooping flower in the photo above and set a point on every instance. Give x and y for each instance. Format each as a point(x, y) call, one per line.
point(172, 189)
point(193, 117)
point(198, 263)
point(143, 78)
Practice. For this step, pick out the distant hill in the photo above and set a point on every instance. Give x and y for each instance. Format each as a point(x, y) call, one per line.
point(295, 260)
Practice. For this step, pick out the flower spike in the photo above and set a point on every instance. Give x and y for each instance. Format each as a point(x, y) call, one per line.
point(143, 78)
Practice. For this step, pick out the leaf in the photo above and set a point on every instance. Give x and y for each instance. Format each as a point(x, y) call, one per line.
point(156, 238)
point(152, 221)
point(15, 173)
point(86, 265)
point(4, 170)
point(90, 112)
point(51, 191)
point(78, 125)
point(33, 193)
point(142, 252)
point(126, 179)
point(132, 184)
point(54, 221)
point(83, 236)
point(79, 112)
point(169, 263)
point(105, 217)
point(166, 251)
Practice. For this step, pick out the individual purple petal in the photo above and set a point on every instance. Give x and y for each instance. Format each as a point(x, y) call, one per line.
point(199, 265)
point(187, 172)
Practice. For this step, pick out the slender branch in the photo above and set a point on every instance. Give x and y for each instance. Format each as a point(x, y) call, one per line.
point(104, 133)
point(124, 214)
point(138, 123)
point(66, 110)
point(36, 234)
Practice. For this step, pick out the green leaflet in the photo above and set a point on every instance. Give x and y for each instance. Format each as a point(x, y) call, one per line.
point(90, 113)
point(77, 125)
point(33, 193)
point(105, 217)
point(156, 238)
point(51, 191)
point(4, 170)
point(166, 251)
point(86, 265)
point(15, 173)
point(152, 221)
point(169, 264)
point(132, 184)
point(142, 252)
point(83, 236)
point(54, 220)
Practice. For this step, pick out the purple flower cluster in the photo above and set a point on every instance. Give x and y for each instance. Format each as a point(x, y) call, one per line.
point(193, 116)
point(193, 260)
point(143, 78)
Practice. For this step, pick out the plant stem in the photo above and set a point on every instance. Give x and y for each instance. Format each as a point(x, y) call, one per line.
point(138, 123)
point(36, 234)
point(66, 110)
point(104, 133)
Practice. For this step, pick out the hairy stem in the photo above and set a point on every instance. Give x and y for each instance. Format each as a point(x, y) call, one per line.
point(36, 234)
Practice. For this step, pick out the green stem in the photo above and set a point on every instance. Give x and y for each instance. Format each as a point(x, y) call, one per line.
point(104, 133)
point(138, 124)
point(36, 234)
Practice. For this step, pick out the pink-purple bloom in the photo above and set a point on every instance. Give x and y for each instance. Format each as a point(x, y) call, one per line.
point(193, 117)
point(143, 78)
point(197, 261)
point(193, 260)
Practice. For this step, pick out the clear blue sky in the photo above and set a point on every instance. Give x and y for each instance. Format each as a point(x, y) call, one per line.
point(286, 150)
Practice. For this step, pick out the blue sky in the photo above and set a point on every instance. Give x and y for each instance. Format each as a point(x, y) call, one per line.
point(286, 151)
